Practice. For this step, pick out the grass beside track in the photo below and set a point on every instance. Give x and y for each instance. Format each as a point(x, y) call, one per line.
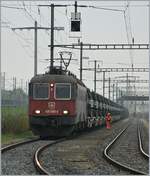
point(13, 138)
point(14, 120)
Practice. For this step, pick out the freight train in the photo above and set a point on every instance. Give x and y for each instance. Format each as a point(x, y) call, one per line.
point(60, 104)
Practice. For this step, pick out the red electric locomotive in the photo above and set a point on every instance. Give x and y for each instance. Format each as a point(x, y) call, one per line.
point(57, 103)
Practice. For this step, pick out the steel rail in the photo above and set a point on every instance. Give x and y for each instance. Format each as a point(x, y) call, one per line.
point(140, 142)
point(37, 155)
point(118, 164)
point(12, 146)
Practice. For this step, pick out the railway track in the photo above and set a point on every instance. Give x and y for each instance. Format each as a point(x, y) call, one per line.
point(40, 166)
point(119, 164)
point(36, 159)
point(22, 144)
point(79, 156)
point(146, 155)
point(12, 146)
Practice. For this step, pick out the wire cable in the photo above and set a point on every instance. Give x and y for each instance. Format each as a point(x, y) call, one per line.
point(26, 51)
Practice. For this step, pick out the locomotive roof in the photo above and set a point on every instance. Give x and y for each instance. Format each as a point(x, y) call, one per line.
point(45, 78)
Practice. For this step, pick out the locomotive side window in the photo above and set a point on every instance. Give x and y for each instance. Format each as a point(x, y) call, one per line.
point(63, 91)
point(40, 91)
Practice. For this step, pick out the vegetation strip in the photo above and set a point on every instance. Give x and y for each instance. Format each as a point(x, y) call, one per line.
point(106, 150)
point(12, 116)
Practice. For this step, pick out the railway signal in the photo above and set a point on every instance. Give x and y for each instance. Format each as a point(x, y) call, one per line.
point(75, 20)
point(75, 25)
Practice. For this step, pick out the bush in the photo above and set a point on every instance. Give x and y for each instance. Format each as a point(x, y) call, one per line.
point(14, 120)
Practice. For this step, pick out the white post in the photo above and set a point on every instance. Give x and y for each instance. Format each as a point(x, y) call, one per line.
point(149, 58)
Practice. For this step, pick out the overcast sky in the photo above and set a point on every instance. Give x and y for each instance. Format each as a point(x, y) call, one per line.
point(98, 26)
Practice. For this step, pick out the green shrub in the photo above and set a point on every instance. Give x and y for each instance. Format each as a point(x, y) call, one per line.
point(14, 120)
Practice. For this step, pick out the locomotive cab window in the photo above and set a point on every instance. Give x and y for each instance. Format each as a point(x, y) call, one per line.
point(40, 91)
point(63, 91)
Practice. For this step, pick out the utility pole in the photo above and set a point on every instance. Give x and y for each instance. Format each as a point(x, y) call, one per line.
point(119, 94)
point(36, 28)
point(135, 101)
point(149, 57)
point(35, 43)
point(35, 49)
point(75, 5)
point(95, 70)
point(52, 37)
point(116, 92)
point(127, 85)
point(27, 87)
point(14, 83)
point(113, 91)
point(14, 90)
point(52, 32)
point(95, 76)
point(104, 83)
point(4, 79)
point(81, 55)
point(21, 81)
point(109, 88)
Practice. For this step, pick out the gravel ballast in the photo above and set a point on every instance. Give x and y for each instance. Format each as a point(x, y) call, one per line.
point(126, 149)
point(19, 161)
point(84, 154)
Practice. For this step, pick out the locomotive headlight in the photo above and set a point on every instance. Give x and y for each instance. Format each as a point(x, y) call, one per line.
point(65, 112)
point(37, 111)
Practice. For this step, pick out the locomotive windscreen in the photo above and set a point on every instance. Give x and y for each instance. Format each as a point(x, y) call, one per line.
point(63, 91)
point(40, 91)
